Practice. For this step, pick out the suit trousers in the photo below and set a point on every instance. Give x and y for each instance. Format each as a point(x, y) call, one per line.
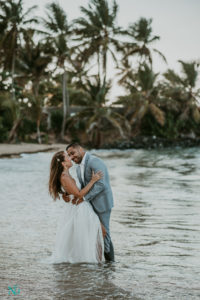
point(105, 220)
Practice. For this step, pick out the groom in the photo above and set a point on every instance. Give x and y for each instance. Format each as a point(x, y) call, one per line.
point(100, 196)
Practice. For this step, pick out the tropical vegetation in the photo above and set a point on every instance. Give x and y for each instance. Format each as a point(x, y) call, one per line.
point(55, 84)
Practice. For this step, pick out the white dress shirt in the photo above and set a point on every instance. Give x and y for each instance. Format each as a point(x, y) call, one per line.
point(82, 167)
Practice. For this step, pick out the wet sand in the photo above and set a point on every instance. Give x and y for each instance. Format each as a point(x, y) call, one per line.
point(14, 150)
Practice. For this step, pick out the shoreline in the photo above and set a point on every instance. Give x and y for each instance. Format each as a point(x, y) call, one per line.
point(140, 142)
point(15, 150)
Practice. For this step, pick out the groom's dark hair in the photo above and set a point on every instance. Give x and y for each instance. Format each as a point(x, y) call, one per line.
point(73, 145)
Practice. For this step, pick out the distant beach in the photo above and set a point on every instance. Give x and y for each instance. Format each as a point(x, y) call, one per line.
point(14, 150)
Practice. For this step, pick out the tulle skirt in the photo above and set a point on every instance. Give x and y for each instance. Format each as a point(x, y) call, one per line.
point(79, 236)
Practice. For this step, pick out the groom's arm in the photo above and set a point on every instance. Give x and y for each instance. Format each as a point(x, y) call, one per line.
point(99, 186)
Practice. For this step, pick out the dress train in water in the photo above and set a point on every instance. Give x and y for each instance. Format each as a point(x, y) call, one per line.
point(79, 236)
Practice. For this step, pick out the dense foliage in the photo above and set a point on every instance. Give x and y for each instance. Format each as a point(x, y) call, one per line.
point(55, 83)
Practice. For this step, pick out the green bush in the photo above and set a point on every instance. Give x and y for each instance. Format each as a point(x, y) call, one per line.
point(28, 126)
point(173, 127)
point(3, 131)
point(56, 121)
point(169, 130)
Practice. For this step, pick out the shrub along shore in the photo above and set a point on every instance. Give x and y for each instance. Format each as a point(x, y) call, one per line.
point(146, 142)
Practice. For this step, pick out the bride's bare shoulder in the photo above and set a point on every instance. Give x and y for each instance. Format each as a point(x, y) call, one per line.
point(66, 177)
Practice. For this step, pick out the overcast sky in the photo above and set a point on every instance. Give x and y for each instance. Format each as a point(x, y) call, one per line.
point(177, 22)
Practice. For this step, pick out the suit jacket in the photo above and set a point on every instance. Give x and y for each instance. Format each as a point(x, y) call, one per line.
point(100, 196)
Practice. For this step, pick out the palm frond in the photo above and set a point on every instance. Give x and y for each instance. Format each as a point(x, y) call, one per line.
point(161, 55)
point(173, 77)
point(190, 71)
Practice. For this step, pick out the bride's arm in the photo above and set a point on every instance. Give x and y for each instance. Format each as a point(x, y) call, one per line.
point(70, 186)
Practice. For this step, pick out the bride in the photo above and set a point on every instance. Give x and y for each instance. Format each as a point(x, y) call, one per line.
point(80, 234)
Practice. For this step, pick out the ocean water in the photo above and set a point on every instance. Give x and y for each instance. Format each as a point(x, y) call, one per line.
point(155, 228)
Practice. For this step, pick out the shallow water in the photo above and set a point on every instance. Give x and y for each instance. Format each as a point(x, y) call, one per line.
point(155, 229)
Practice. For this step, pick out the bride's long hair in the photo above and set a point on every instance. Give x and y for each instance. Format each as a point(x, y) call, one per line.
point(56, 170)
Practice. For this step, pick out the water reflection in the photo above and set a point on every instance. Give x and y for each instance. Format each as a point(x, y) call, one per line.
point(87, 282)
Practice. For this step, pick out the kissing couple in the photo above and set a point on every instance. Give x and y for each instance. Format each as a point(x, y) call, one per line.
point(83, 233)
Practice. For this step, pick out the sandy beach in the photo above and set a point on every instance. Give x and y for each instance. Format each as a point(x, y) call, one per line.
point(14, 150)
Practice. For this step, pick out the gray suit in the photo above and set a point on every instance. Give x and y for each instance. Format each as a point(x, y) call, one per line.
point(100, 196)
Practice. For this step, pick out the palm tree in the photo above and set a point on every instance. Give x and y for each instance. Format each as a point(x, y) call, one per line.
point(16, 111)
point(142, 39)
point(13, 22)
point(96, 115)
point(97, 30)
point(183, 91)
point(34, 58)
point(143, 97)
point(60, 32)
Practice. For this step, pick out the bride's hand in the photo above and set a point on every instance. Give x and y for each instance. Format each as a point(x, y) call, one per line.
point(66, 197)
point(96, 176)
point(74, 200)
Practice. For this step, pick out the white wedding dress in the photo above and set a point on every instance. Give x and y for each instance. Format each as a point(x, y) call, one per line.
point(79, 235)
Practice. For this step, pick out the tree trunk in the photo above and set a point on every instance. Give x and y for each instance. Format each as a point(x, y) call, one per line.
point(38, 131)
point(49, 121)
point(99, 66)
point(105, 51)
point(65, 96)
point(98, 138)
point(37, 101)
point(13, 132)
point(104, 64)
point(12, 76)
